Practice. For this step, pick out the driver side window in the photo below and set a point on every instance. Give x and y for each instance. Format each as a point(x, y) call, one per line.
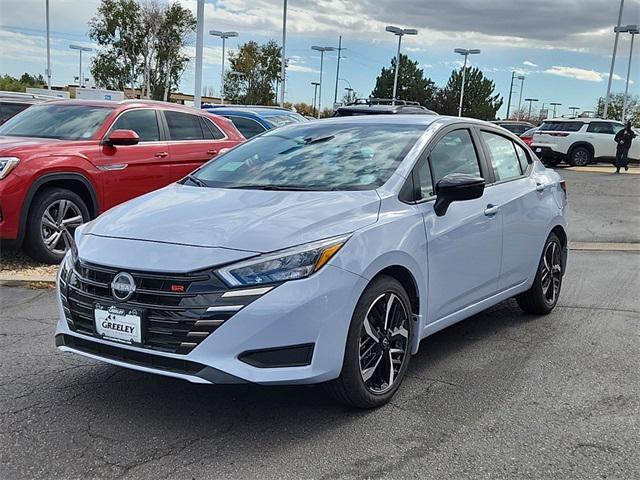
point(454, 153)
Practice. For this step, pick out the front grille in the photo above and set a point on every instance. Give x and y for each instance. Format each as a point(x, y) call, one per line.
point(174, 321)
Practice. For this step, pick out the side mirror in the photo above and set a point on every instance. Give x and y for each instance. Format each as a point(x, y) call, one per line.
point(456, 187)
point(122, 137)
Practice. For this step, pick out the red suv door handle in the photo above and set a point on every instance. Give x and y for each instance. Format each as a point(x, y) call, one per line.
point(212, 152)
point(161, 154)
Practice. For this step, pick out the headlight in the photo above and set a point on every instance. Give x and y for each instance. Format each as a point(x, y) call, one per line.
point(290, 264)
point(7, 164)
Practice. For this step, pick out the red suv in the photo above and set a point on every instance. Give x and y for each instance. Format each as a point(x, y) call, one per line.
point(65, 162)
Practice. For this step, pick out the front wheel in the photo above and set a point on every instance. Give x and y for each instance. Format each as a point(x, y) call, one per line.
point(378, 346)
point(53, 210)
point(543, 295)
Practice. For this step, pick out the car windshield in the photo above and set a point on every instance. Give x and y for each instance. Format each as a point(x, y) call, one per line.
point(314, 156)
point(60, 121)
point(282, 120)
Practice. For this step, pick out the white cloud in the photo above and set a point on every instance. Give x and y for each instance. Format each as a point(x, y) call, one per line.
point(575, 72)
point(529, 64)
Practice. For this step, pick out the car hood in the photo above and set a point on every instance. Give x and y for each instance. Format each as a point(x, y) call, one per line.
point(246, 220)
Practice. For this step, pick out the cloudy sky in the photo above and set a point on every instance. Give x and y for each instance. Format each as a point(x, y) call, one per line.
point(563, 47)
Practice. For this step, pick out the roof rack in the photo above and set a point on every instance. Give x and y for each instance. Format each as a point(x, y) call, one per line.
point(382, 101)
point(275, 107)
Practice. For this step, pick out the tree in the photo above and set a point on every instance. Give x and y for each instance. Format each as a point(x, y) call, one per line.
point(140, 45)
point(480, 100)
point(350, 96)
point(254, 70)
point(616, 103)
point(412, 84)
point(304, 109)
point(12, 84)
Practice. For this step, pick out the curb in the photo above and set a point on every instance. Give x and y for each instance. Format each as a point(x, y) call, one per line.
point(10, 280)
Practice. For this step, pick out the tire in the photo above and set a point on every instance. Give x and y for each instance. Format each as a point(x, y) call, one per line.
point(351, 388)
point(539, 299)
point(551, 161)
point(39, 227)
point(580, 157)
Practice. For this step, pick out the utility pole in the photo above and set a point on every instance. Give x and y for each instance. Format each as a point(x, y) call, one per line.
point(315, 93)
point(283, 67)
point(48, 50)
point(613, 60)
point(335, 94)
point(197, 94)
point(513, 74)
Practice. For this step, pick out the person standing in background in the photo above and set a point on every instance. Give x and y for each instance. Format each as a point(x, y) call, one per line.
point(623, 138)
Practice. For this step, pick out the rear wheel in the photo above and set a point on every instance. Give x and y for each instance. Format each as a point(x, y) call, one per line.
point(580, 157)
point(543, 295)
point(378, 346)
point(53, 210)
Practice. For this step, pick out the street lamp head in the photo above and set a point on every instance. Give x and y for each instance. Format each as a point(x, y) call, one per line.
point(520, 77)
point(315, 83)
point(395, 30)
point(461, 51)
point(218, 33)
point(410, 31)
point(474, 51)
point(323, 49)
point(531, 100)
point(80, 47)
point(626, 29)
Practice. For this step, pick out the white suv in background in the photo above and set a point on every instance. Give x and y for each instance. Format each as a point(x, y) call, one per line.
point(578, 141)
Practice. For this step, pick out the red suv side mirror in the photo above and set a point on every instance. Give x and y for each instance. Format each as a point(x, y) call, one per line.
point(122, 137)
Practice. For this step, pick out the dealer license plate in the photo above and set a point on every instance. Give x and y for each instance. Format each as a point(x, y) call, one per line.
point(120, 324)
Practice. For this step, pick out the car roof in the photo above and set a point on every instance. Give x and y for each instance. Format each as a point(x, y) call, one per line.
point(128, 104)
point(257, 110)
point(512, 122)
point(423, 120)
point(582, 119)
point(382, 109)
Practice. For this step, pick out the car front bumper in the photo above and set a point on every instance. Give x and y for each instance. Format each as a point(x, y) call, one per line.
point(303, 323)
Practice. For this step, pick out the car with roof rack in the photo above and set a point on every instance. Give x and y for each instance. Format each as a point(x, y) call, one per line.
point(253, 120)
point(64, 162)
point(578, 141)
point(381, 106)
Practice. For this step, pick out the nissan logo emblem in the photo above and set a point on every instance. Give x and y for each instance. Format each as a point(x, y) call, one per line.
point(123, 286)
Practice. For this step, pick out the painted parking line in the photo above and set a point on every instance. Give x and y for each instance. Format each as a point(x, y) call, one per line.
point(594, 169)
point(606, 246)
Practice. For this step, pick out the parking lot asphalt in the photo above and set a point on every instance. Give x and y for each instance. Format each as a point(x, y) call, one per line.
point(500, 395)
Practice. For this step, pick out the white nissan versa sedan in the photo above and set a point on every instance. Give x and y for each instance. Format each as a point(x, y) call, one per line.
point(319, 252)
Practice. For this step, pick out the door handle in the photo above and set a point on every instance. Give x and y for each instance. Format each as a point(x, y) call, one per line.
point(540, 187)
point(161, 154)
point(491, 210)
point(212, 152)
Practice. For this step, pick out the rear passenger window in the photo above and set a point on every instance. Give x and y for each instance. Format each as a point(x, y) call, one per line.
point(248, 128)
point(504, 160)
point(600, 127)
point(454, 153)
point(142, 121)
point(183, 126)
point(523, 157)
point(211, 131)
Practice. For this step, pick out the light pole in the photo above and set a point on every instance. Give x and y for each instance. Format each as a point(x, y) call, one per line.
point(399, 32)
point(197, 94)
point(554, 105)
point(521, 78)
point(573, 111)
point(48, 72)
point(283, 64)
point(513, 77)
point(530, 100)
point(223, 36)
point(613, 60)
point(466, 52)
point(633, 30)
point(340, 48)
point(321, 50)
point(80, 49)
point(315, 93)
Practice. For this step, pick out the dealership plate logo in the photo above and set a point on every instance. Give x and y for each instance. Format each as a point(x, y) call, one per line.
point(123, 286)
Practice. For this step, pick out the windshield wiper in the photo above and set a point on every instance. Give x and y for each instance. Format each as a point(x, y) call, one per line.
point(271, 187)
point(196, 180)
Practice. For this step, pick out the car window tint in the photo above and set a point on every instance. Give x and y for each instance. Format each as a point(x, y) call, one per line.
point(454, 153)
point(211, 131)
point(504, 159)
point(600, 127)
point(523, 157)
point(248, 128)
point(617, 127)
point(143, 122)
point(8, 110)
point(425, 183)
point(183, 126)
point(561, 126)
